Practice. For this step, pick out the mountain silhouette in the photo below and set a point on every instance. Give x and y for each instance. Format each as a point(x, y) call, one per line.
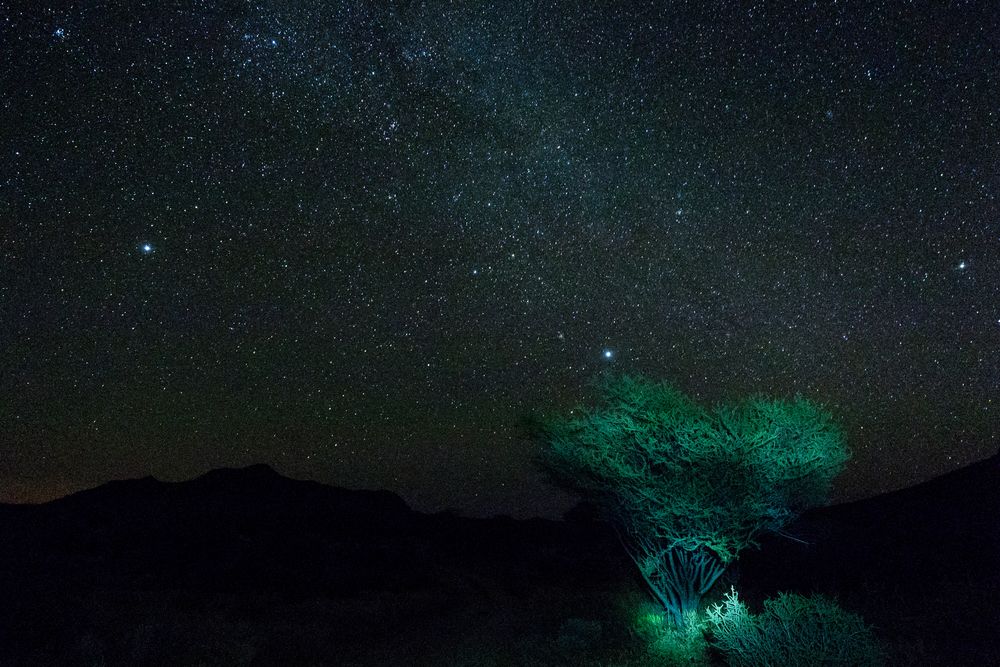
point(250, 528)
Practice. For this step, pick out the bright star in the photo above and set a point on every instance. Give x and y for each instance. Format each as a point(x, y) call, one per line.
point(146, 248)
point(962, 265)
point(608, 354)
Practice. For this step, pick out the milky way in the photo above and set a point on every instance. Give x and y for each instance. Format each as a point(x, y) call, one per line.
point(359, 241)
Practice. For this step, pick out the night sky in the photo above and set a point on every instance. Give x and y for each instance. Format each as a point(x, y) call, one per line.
point(360, 240)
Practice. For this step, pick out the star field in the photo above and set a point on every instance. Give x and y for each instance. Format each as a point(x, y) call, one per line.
point(359, 241)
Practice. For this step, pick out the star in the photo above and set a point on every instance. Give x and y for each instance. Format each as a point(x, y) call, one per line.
point(146, 248)
point(608, 354)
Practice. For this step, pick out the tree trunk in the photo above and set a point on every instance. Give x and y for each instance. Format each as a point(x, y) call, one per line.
point(679, 580)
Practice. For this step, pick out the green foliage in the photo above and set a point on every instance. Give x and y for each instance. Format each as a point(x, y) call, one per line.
point(689, 487)
point(691, 477)
point(793, 630)
point(671, 643)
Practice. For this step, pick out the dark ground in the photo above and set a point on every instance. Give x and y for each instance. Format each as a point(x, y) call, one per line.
point(245, 567)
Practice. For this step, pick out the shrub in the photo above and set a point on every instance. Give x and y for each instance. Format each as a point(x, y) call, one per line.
point(792, 630)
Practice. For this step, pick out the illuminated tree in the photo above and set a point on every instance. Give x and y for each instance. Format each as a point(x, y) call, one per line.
point(688, 487)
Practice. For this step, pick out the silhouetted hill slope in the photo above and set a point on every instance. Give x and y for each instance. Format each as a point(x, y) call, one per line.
point(942, 529)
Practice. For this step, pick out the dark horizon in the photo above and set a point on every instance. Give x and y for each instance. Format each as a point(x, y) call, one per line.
point(556, 511)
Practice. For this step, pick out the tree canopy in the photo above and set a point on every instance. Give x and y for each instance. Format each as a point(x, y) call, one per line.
point(692, 477)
